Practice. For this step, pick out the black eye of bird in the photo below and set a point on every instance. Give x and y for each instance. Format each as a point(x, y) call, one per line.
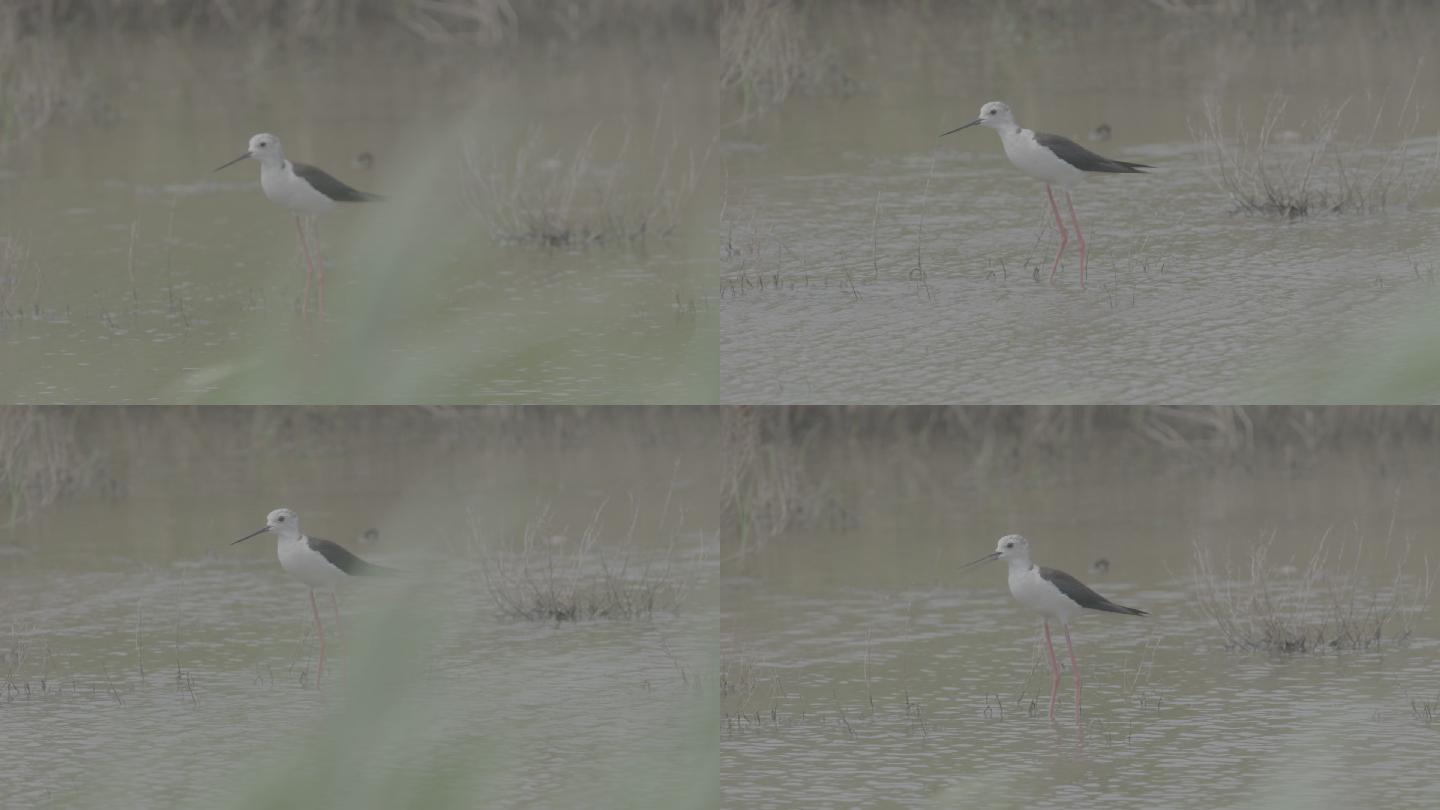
point(992, 111)
point(280, 519)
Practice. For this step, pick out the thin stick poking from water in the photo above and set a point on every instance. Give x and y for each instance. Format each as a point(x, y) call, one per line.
point(130, 263)
point(139, 650)
point(924, 204)
point(875, 239)
point(868, 695)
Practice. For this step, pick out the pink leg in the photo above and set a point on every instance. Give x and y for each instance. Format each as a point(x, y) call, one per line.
point(1074, 668)
point(320, 634)
point(1054, 670)
point(336, 605)
point(1079, 237)
point(1060, 224)
point(309, 271)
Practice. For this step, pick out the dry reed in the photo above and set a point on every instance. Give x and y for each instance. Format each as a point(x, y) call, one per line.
point(549, 576)
point(1287, 174)
point(554, 201)
point(1328, 603)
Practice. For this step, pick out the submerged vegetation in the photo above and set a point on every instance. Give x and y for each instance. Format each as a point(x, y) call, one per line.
point(1325, 603)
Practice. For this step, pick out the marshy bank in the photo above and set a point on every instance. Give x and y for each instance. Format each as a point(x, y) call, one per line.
point(136, 634)
point(845, 217)
point(1285, 556)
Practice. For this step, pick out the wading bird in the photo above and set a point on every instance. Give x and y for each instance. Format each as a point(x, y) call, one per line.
point(307, 192)
point(1054, 595)
point(1051, 159)
point(317, 563)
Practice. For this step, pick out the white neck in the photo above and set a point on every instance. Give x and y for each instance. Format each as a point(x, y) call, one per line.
point(1013, 131)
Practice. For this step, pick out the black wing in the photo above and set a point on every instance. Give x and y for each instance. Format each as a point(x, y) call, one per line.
point(329, 186)
point(338, 556)
point(1082, 595)
point(1082, 158)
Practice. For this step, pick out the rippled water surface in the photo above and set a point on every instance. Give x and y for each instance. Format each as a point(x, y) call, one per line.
point(868, 261)
point(148, 663)
point(862, 668)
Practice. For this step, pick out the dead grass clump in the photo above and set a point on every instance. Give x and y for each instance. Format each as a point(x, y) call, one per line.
point(549, 200)
point(1317, 606)
point(768, 53)
point(549, 576)
point(1290, 174)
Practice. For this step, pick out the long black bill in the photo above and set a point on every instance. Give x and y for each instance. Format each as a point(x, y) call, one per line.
point(251, 534)
point(237, 160)
point(943, 134)
point(994, 555)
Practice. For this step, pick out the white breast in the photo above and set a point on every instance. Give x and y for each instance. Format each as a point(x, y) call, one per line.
point(283, 187)
point(1035, 160)
point(1032, 591)
point(308, 566)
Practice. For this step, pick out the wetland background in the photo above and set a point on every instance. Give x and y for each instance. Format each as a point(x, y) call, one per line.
point(1286, 556)
point(1282, 251)
point(146, 662)
point(548, 165)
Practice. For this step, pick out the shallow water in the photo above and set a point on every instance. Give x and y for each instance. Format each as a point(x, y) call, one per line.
point(833, 204)
point(429, 696)
point(150, 279)
point(862, 667)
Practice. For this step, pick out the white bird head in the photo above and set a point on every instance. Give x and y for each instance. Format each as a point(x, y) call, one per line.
point(283, 522)
point(1012, 548)
point(994, 114)
point(263, 147)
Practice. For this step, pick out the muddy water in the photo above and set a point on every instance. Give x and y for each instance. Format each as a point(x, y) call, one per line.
point(149, 279)
point(863, 668)
point(834, 204)
point(429, 697)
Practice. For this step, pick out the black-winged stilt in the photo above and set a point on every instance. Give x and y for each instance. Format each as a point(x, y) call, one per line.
point(1054, 595)
point(1051, 159)
point(317, 563)
point(305, 191)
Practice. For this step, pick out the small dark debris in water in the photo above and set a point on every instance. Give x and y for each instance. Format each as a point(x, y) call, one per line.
point(364, 160)
point(1100, 133)
point(369, 537)
point(1100, 566)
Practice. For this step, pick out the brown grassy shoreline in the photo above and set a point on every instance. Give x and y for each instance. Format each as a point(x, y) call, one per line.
point(776, 458)
point(49, 453)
